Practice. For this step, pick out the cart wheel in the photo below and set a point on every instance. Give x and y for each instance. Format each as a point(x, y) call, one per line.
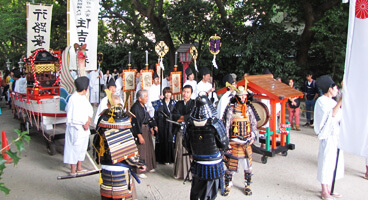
point(284, 153)
point(264, 159)
point(51, 148)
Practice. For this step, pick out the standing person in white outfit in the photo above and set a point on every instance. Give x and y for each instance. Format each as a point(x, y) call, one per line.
point(205, 85)
point(94, 84)
point(153, 95)
point(166, 80)
point(190, 81)
point(327, 115)
point(79, 114)
point(103, 105)
point(119, 87)
point(107, 77)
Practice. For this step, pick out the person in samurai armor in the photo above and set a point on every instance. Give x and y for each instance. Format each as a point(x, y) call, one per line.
point(117, 153)
point(241, 127)
point(205, 139)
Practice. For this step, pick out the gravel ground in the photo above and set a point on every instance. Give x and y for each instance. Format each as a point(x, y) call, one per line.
point(283, 177)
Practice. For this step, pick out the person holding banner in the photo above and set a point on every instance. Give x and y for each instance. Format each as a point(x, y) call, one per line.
point(327, 115)
point(94, 84)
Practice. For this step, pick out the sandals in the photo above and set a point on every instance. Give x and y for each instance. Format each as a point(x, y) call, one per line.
point(336, 195)
point(82, 171)
point(328, 198)
point(73, 174)
point(366, 176)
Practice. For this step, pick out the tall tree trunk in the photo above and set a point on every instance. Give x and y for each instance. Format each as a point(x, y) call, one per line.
point(307, 35)
point(312, 14)
point(160, 27)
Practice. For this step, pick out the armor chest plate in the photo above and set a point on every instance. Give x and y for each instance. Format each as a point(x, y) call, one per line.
point(203, 141)
point(240, 128)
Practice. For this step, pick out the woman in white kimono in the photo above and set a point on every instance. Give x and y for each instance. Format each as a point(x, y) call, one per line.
point(79, 114)
point(327, 115)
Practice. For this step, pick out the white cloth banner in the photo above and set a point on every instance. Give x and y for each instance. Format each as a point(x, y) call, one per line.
point(354, 123)
point(83, 28)
point(38, 27)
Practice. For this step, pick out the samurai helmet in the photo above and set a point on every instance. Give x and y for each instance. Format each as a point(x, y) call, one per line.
point(203, 108)
point(115, 114)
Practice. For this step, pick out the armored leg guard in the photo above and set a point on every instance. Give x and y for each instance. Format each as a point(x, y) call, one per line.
point(228, 182)
point(248, 181)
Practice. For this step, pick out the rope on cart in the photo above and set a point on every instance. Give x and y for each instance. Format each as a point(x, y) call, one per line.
point(43, 129)
point(54, 124)
point(29, 118)
point(34, 117)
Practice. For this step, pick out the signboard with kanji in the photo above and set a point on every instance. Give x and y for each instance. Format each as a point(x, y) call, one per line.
point(38, 27)
point(83, 28)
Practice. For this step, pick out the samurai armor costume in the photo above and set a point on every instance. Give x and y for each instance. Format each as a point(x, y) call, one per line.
point(117, 154)
point(205, 139)
point(241, 127)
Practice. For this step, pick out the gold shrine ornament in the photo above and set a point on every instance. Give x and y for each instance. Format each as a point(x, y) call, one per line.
point(161, 49)
point(194, 52)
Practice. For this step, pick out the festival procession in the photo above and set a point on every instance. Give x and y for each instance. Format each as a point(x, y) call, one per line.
point(123, 100)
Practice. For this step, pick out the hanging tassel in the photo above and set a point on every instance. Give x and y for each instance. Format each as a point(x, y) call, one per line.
point(195, 65)
point(214, 62)
point(101, 153)
point(162, 65)
point(235, 130)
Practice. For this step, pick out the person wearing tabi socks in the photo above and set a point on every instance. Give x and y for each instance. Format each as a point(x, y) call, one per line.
point(241, 127)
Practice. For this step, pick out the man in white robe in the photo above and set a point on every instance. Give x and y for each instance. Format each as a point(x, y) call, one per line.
point(154, 94)
point(79, 114)
point(166, 81)
point(190, 81)
point(94, 84)
point(103, 105)
point(225, 99)
point(20, 83)
point(327, 115)
point(119, 87)
point(206, 86)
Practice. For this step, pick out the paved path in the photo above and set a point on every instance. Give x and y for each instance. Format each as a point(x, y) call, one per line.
point(290, 177)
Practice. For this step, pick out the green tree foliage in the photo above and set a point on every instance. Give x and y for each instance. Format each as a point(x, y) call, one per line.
point(252, 36)
point(289, 37)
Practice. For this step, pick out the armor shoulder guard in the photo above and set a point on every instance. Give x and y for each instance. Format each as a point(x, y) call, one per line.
point(221, 131)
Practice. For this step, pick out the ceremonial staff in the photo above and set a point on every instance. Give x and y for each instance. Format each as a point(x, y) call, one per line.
point(214, 45)
point(99, 60)
point(161, 49)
